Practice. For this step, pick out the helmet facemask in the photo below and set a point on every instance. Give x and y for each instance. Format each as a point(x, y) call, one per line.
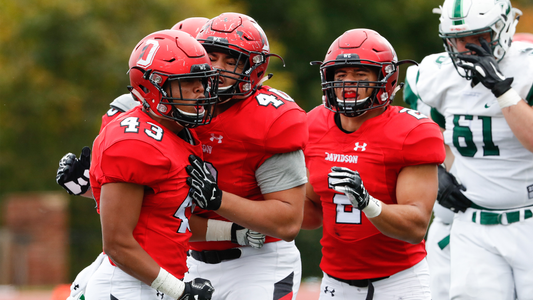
point(464, 18)
point(349, 104)
point(450, 44)
point(173, 101)
point(244, 85)
point(239, 36)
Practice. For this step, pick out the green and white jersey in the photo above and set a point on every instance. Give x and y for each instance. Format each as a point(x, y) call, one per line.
point(489, 160)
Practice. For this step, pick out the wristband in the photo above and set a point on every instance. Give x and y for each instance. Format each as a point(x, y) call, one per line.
point(218, 230)
point(373, 209)
point(509, 98)
point(168, 284)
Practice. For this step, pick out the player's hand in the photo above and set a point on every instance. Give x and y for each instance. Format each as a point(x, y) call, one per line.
point(73, 173)
point(246, 237)
point(484, 68)
point(350, 183)
point(450, 195)
point(197, 289)
point(204, 189)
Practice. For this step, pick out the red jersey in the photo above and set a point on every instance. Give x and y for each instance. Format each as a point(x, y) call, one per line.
point(240, 139)
point(352, 248)
point(135, 148)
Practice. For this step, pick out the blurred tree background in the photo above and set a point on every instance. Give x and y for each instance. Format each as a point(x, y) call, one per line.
point(62, 63)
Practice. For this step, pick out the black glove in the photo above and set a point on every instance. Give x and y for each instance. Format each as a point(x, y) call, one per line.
point(246, 237)
point(450, 195)
point(73, 173)
point(484, 68)
point(204, 189)
point(197, 289)
point(350, 183)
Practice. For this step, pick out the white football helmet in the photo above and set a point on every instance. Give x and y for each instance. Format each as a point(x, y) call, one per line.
point(461, 18)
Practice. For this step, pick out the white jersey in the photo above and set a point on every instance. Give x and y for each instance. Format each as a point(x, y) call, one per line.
point(489, 160)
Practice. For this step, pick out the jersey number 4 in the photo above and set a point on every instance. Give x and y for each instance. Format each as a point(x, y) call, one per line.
point(132, 124)
point(275, 99)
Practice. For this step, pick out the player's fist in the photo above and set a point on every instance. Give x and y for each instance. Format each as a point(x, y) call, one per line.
point(197, 289)
point(73, 173)
point(484, 68)
point(204, 189)
point(350, 183)
point(246, 237)
point(450, 195)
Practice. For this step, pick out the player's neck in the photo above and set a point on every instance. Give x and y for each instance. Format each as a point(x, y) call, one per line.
point(351, 124)
point(222, 107)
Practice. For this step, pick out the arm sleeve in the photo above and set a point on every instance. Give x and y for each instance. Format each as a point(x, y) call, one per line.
point(288, 133)
point(424, 145)
point(438, 118)
point(282, 172)
point(145, 165)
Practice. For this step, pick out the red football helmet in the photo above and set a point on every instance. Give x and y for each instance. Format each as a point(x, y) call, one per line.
point(191, 25)
point(523, 37)
point(166, 56)
point(240, 36)
point(360, 47)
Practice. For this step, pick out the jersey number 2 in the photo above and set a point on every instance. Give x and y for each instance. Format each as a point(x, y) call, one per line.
point(346, 213)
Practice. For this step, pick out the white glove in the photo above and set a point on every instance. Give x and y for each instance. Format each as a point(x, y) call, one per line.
point(246, 237)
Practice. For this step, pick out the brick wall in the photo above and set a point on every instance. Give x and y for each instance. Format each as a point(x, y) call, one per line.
point(35, 239)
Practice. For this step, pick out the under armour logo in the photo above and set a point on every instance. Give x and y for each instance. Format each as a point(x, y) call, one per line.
point(77, 286)
point(332, 292)
point(218, 138)
point(362, 147)
point(160, 295)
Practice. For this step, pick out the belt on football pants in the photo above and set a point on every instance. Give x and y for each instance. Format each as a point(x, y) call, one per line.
point(503, 218)
point(362, 283)
point(215, 256)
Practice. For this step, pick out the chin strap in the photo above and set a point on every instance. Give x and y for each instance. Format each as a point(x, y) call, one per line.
point(265, 79)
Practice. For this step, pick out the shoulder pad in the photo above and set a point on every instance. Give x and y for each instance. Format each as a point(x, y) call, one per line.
point(124, 102)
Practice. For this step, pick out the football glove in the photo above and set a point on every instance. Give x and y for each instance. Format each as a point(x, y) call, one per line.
point(73, 173)
point(246, 237)
point(484, 68)
point(449, 194)
point(204, 189)
point(350, 183)
point(197, 289)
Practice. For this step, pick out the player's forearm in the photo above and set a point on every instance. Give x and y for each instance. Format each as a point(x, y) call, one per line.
point(128, 255)
point(272, 217)
point(403, 222)
point(198, 228)
point(88, 194)
point(520, 120)
point(312, 215)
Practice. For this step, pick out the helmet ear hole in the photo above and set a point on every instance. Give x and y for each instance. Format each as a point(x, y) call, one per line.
point(145, 90)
